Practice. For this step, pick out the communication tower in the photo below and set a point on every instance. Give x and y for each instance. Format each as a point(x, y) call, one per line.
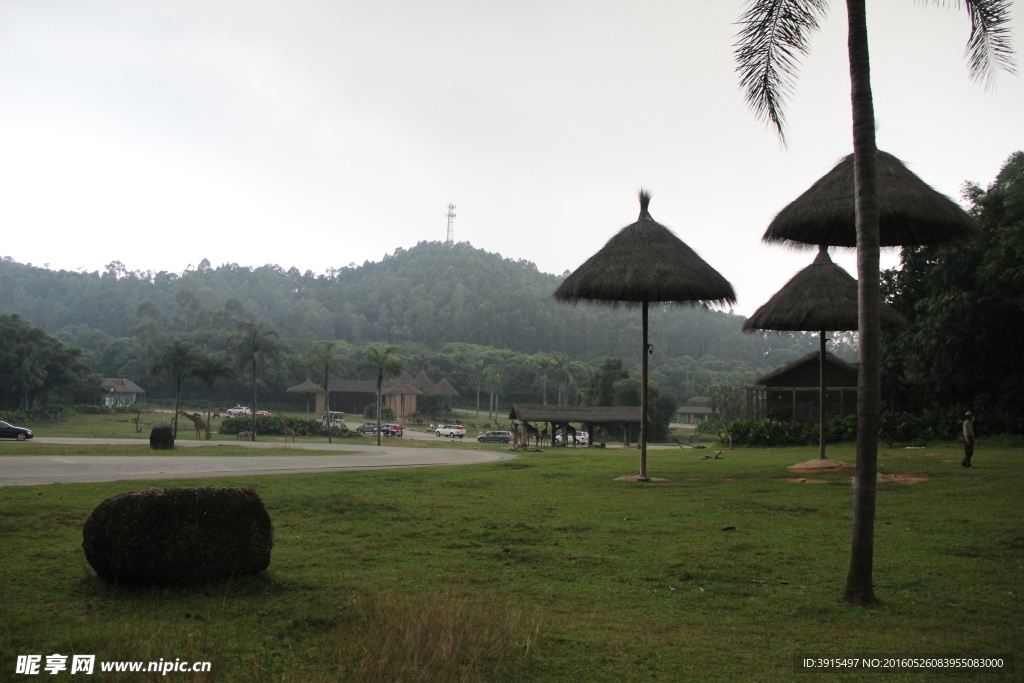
point(451, 226)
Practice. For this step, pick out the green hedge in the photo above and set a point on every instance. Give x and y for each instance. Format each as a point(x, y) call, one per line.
point(772, 433)
point(272, 426)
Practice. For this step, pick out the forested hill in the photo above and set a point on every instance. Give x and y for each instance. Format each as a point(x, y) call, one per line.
point(430, 294)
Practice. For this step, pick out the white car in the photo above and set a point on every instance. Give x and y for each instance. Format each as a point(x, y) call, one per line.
point(238, 411)
point(451, 431)
point(582, 439)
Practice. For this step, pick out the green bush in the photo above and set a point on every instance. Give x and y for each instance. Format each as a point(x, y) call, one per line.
point(709, 427)
point(386, 413)
point(770, 433)
point(272, 426)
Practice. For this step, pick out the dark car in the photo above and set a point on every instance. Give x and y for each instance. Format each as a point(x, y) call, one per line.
point(11, 432)
point(367, 428)
point(391, 430)
point(495, 437)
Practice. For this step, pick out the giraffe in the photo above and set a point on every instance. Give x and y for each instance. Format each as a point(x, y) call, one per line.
point(517, 437)
point(200, 423)
point(570, 435)
point(530, 431)
point(543, 434)
point(288, 431)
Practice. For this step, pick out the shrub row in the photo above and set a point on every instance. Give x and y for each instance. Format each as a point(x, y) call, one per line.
point(772, 433)
point(272, 426)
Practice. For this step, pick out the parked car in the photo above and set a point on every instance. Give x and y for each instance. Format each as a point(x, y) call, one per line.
point(451, 431)
point(367, 428)
point(391, 430)
point(495, 437)
point(264, 413)
point(582, 439)
point(9, 431)
point(238, 411)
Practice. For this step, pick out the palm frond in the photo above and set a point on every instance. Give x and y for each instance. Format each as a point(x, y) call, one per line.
point(989, 46)
point(773, 38)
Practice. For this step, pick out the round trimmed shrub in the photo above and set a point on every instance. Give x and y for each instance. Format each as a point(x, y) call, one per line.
point(178, 536)
point(161, 438)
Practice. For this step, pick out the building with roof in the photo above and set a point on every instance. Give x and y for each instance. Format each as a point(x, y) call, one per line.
point(790, 393)
point(117, 391)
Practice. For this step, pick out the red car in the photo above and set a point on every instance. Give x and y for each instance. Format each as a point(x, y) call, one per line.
point(264, 413)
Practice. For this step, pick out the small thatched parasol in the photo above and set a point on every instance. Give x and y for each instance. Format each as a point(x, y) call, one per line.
point(308, 387)
point(645, 262)
point(910, 211)
point(821, 297)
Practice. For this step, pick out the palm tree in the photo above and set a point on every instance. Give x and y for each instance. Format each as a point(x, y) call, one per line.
point(773, 39)
point(381, 359)
point(493, 379)
point(254, 346)
point(208, 369)
point(324, 356)
point(560, 371)
point(174, 361)
point(543, 365)
point(478, 375)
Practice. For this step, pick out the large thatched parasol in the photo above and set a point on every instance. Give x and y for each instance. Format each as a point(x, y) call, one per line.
point(645, 262)
point(423, 383)
point(403, 387)
point(910, 211)
point(444, 389)
point(820, 298)
point(308, 387)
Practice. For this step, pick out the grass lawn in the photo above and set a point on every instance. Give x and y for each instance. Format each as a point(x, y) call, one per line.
point(545, 569)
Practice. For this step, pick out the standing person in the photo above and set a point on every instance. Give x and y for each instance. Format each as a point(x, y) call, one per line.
point(968, 439)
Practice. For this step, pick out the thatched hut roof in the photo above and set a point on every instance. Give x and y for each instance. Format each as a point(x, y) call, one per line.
point(444, 388)
point(423, 383)
point(307, 387)
point(838, 373)
point(910, 211)
point(821, 297)
point(400, 387)
point(119, 385)
point(645, 261)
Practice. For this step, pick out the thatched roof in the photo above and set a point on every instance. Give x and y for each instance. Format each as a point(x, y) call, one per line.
point(821, 297)
point(401, 387)
point(838, 373)
point(119, 385)
point(423, 383)
point(307, 387)
point(535, 412)
point(911, 212)
point(444, 388)
point(645, 261)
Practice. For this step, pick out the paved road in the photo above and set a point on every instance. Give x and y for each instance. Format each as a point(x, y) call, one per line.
point(46, 469)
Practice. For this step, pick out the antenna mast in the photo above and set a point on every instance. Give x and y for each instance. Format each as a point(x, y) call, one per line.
point(451, 227)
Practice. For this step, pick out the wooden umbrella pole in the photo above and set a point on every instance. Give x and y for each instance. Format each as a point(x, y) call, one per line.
point(821, 395)
point(643, 400)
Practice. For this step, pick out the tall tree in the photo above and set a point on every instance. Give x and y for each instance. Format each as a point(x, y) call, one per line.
point(479, 368)
point(324, 357)
point(254, 346)
point(773, 39)
point(209, 368)
point(382, 360)
point(174, 362)
point(560, 371)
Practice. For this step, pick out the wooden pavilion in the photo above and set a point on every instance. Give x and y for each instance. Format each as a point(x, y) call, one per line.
point(790, 393)
point(588, 416)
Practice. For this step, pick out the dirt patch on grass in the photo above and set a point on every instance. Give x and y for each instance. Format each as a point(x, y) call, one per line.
point(637, 477)
point(901, 478)
point(821, 464)
point(800, 480)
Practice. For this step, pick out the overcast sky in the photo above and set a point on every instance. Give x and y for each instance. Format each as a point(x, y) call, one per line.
point(316, 134)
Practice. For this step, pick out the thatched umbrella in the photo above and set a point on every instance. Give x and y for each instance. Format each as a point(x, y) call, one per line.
point(645, 262)
point(308, 387)
point(423, 383)
point(910, 211)
point(821, 297)
point(444, 388)
point(402, 388)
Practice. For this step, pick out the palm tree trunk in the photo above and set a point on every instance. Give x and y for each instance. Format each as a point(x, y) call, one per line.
point(253, 435)
point(209, 409)
point(859, 589)
point(821, 394)
point(327, 401)
point(177, 394)
point(544, 383)
point(380, 380)
point(478, 398)
point(643, 398)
